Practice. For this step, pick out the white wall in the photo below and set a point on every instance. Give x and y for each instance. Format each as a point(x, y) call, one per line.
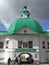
point(13, 43)
point(42, 52)
point(15, 38)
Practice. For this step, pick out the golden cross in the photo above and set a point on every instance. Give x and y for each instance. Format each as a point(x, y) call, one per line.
point(25, 2)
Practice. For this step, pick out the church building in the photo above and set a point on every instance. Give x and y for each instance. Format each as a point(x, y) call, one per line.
point(24, 37)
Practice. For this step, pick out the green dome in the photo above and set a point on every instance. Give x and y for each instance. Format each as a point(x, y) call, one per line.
point(25, 7)
point(25, 11)
point(21, 22)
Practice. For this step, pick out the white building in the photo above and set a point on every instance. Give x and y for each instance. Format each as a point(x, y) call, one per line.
point(24, 36)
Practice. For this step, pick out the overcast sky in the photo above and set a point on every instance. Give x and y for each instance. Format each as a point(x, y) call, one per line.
point(10, 10)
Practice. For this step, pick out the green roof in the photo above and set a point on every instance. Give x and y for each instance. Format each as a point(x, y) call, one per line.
point(46, 33)
point(3, 33)
point(25, 12)
point(21, 22)
point(25, 7)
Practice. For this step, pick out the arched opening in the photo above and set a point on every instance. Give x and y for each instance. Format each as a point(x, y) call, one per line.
point(25, 57)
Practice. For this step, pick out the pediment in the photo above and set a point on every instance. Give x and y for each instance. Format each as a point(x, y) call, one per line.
point(26, 30)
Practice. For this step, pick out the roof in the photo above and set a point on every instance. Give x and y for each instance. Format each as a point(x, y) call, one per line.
point(25, 11)
point(25, 50)
point(46, 33)
point(21, 22)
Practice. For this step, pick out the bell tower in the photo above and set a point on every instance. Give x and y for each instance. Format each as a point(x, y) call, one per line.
point(25, 12)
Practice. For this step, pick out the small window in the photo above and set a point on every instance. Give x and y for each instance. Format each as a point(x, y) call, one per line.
point(14, 55)
point(1, 45)
point(19, 44)
point(48, 45)
point(7, 42)
point(25, 31)
point(43, 44)
point(35, 55)
point(30, 44)
point(21, 15)
point(6, 46)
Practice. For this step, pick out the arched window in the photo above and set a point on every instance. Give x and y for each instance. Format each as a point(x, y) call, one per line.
point(48, 45)
point(43, 44)
point(30, 44)
point(1, 44)
point(19, 44)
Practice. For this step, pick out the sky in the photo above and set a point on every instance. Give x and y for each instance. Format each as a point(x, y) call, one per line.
point(2, 27)
point(39, 10)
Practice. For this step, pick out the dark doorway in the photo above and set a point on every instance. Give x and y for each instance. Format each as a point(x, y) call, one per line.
point(25, 57)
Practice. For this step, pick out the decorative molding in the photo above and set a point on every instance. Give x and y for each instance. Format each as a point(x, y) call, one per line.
point(1, 59)
point(25, 50)
point(2, 51)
